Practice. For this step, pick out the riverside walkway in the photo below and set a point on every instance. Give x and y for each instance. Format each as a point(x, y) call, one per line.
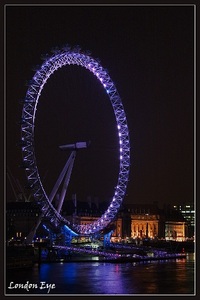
point(89, 251)
point(154, 254)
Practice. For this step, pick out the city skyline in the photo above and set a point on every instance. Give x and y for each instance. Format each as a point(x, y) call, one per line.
point(149, 54)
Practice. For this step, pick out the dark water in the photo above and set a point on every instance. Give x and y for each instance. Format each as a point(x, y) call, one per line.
point(159, 277)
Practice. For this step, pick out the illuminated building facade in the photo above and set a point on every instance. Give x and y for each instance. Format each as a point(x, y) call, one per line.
point(188, 212)
point(117, 234)
point(175, 231)
point(143, 221)
point(175, 224)
point(145, 226)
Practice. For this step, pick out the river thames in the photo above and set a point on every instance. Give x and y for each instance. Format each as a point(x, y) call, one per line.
point(167, 277)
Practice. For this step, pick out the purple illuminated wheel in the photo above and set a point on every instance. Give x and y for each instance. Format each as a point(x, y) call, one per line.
point(60, 59)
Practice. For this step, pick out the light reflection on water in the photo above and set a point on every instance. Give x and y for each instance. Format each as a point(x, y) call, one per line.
point(156, 277)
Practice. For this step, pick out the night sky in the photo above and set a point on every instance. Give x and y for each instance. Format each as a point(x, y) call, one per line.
point(148, 52)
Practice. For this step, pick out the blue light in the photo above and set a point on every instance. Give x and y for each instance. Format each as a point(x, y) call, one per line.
point(45, 227)
point(70, 231)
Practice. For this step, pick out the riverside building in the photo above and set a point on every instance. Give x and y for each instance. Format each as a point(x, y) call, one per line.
point(133, 221)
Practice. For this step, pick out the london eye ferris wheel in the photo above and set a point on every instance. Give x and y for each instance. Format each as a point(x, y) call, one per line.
point(63, 58)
